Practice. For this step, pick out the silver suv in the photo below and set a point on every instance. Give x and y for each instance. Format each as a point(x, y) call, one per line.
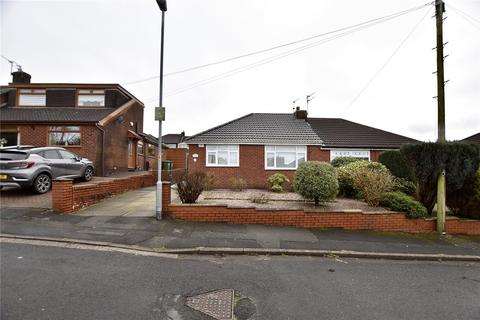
point(30, 167)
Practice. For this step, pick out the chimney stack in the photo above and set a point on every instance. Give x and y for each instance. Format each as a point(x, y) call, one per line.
point(301, 114)
point(20, 77)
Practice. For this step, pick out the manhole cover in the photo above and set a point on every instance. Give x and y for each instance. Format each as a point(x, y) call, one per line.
point(217, 304)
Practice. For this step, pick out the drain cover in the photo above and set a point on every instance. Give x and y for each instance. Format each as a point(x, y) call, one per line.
point(217, 304)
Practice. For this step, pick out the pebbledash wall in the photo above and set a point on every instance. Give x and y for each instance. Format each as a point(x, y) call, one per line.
point(251, 165)
point(68, 197)
point(349, 220)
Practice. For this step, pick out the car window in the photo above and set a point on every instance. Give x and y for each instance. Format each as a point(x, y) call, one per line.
point(67, 155)
point(50, 154)
point(12, 155)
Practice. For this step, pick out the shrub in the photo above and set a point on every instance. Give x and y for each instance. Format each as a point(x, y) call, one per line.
point(190, 185)
point(399, 201)
point(316, 181)
point(372, 183)
point(395, 161)
point(209, 181)
point(238, 184)
point(472, 194)
point(460, 162)
point(342, 161)
point(345, 176)
point(405, 186)
point(261, 198)
point(276, 182)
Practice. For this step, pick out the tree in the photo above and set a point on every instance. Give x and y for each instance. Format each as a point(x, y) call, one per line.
point(316, 181)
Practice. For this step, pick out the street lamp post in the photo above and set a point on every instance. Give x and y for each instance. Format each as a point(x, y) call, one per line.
point(160, 116)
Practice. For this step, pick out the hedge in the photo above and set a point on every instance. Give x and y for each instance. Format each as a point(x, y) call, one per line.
point(399, 201)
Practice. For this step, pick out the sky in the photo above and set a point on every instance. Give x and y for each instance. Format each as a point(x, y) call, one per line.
point(379, 76)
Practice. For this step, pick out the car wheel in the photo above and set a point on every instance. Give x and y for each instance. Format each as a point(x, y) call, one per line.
point(88, 175)
point(42, 183)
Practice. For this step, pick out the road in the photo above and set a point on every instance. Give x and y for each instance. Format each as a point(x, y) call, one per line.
point(64, 282)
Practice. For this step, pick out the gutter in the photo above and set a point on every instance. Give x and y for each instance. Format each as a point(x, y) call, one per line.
point(99, 127)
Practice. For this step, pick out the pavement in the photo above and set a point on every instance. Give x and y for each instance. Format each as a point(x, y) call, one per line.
point(73, 282)
point(148, 233)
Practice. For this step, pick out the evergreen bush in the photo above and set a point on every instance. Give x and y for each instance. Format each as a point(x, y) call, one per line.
point(317, 181)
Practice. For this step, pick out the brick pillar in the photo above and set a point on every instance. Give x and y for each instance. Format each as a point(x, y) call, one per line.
point(166, 194)
point(62, 195)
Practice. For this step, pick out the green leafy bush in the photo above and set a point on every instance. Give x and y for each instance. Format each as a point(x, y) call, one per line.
point(190, 185)
point(399, 201)
point(345, 176)
point(395, 161)
point(238, 184)
point(277, 181)
point(341, 161)
point(460, 162)
point(471, 194)
point(372, 183)
point(405, 186)
point(316, 181)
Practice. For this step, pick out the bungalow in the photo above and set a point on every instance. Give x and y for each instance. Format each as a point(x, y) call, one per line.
point(473, 139)
point(258, 145)
point(174, 140)
point(101, 122)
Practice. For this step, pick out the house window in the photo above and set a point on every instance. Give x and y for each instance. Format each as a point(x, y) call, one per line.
point(284, 157)
point(64, 136)
point(151, 150)
point(91, 98)
point(362, 154)
point(32, 98)
point(222, 156)
point(140, 148)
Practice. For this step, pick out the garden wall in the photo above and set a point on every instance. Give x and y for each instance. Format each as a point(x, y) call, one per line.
point(68, 197)
point(349, 220)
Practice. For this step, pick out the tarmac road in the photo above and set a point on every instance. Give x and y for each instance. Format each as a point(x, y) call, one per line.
point(81, 282)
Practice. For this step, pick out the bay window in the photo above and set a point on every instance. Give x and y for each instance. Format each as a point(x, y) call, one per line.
point(222, 155)
point(284, 157)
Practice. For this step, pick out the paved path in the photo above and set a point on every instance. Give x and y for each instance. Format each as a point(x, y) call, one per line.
point(168, 233)
point(40, 282)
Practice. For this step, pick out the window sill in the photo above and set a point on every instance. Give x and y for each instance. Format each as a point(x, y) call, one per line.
point(280, 169)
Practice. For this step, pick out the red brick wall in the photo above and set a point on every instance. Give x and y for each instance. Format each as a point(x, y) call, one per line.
point(178, 156)
point(67, 197)
point(252, 165)
point(116, 139)
point(90, 148)
point(299, 218)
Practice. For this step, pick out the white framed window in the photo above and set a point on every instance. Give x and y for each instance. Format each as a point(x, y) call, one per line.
point(32, 98)
point(362, 154)
point(226, 155)
point(91, 98)
point(284, 157)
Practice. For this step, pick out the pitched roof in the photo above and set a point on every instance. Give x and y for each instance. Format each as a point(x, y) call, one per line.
point(260, 128)
point(51, 114)
point(341, 133)
point(473, 139)
point(174, 138)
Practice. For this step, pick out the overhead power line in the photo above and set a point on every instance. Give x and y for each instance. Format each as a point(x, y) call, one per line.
point(375, 75)
point(393, 15)
point(270, 59)
point(471, 20)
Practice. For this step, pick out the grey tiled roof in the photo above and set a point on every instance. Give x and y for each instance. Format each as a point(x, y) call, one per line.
point(473, 139)
point(342, 133)
point(50, 114)
point(260, 128)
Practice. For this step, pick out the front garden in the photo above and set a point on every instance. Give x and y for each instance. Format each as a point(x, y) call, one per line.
point(401, 181)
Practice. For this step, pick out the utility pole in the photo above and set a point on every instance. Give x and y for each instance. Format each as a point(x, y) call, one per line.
point(441, 188)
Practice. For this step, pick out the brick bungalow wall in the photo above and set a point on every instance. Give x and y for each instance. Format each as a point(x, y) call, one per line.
point(388, 221)
point(178, 157)
point(252, 165)
point(90, 148)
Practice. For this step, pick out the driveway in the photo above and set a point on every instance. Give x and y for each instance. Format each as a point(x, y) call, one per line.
point(135, 203)
point(24, 198)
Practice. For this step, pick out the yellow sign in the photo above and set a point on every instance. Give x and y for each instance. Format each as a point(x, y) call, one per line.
point(3, 176)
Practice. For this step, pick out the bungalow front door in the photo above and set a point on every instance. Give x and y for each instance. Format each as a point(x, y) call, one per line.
point(132, 152)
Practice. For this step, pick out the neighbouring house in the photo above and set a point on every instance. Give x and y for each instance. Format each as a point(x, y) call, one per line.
point(473, 139)
point(173, 140)
point(101, 122)
point(258, 145)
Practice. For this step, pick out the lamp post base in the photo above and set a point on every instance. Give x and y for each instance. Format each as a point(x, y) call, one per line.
point(158, 207)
